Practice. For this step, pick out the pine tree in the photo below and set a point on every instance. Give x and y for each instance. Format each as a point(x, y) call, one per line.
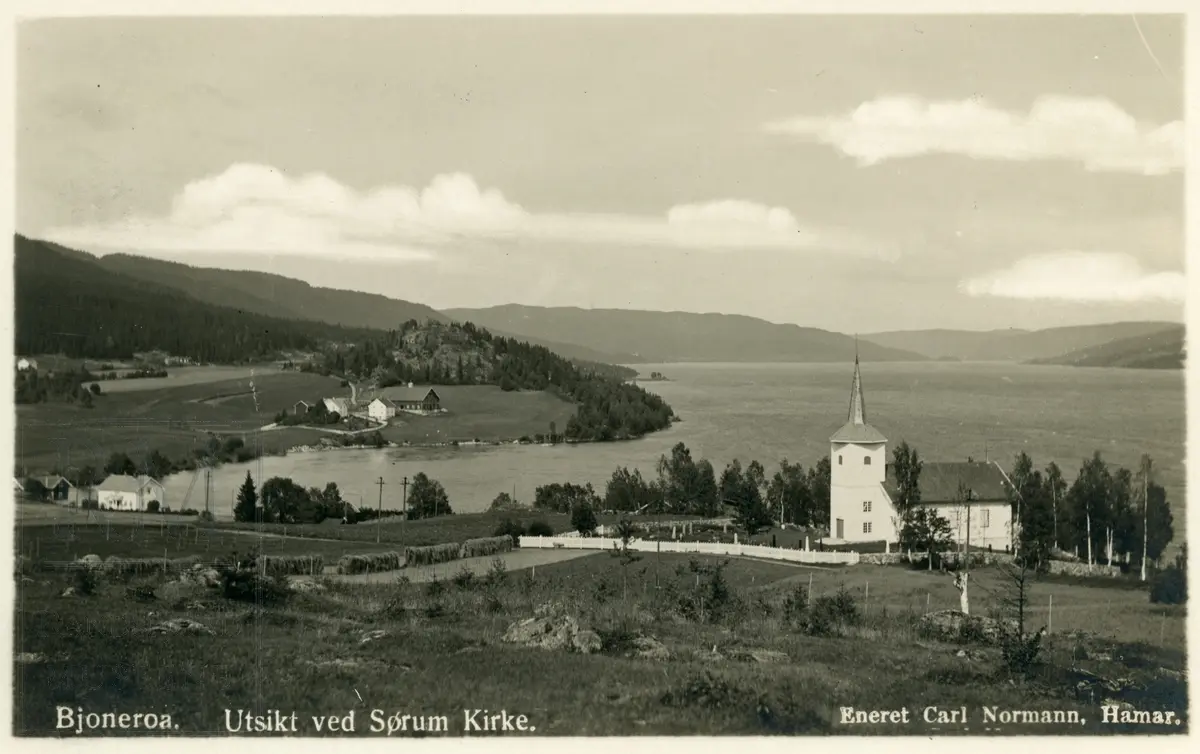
point(247, 500)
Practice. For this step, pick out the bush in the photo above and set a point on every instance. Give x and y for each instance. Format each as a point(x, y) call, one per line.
point(85, 580)
point(1170, 585)
point(540, 528)
point(370, 562)
point(241, 581)
point(432, 554)
point(831, 613)
point(497, 574)
point(474, 548)
point(509, 528)
point(152, 506)
point(795, 605)
point(464, 579)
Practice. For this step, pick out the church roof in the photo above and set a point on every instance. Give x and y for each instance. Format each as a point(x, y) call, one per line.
point(939, 481)
point(856, 428)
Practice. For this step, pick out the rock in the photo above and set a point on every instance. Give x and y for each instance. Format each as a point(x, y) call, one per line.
point(69, 592)
point(586, 642)
point(307, 585)
point(649, 648)
point(91, 561)
point(371, 636)
point(549, 609)
point(30, 658)
point(556, 632)
point(1101, 657)
point(181, 626)
point(763, 656)
point(953, 625)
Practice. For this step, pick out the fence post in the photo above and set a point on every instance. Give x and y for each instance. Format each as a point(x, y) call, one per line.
point(1050, 622)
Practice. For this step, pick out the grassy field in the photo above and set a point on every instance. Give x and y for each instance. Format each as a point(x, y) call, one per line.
point(159, 537)
point(173, 420)
point(483, 412)
point(423, 650)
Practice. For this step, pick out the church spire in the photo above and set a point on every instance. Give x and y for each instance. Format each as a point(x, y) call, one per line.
point(858, 409)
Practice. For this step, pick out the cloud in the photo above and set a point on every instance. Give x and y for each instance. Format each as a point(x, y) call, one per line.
point(1092, 131)
point(1079, 277)
point(258, 208)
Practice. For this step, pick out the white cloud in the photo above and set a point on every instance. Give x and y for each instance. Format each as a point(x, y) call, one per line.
point(258, 208)
point(1092, 131)
point(1081, 277)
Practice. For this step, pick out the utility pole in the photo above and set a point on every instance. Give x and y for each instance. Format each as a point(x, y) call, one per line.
point(404, 500)
point(1145, 510)
point(379, 512)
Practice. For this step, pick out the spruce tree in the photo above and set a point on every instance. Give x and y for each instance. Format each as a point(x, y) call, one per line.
point(247, 500)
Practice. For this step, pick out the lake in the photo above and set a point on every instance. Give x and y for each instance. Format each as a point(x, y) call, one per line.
point(768, 412)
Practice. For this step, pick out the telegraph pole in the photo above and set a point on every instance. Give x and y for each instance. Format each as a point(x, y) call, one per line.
point(404, 501)
point(379, 512)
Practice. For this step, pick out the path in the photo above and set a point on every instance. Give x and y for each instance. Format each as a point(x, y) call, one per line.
point(516, 560)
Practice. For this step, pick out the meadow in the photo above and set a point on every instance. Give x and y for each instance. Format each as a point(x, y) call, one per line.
point(733, 659)
point(482, 412)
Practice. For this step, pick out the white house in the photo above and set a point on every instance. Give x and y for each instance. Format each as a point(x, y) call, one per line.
point(381, 409)
point(122, 492)
point(340, 406)
point(863, 487)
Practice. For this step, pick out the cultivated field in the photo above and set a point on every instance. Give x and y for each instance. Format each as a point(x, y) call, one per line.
point(187, 376)
point(483, 412)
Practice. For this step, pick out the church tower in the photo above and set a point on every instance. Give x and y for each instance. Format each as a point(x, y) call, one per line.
point(859, 510)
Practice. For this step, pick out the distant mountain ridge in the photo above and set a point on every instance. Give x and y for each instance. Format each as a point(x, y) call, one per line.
point(1014, 345)
point(656, 337)
point(1159, 350)
point(275, 295)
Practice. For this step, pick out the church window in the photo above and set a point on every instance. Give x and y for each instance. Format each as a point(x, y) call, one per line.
point(867, 528)
point(866, 506)
point(987, 518)
point(839, 460)
point(866, 460)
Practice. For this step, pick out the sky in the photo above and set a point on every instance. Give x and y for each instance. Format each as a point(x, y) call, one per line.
point(855, 173)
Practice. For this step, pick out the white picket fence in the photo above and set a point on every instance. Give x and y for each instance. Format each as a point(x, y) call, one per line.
point(705, 548)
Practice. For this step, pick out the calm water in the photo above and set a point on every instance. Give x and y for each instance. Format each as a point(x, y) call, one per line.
point(775, 411)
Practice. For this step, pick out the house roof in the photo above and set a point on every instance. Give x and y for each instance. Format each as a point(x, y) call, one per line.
point(50, 482)
point(385, 401)
point(856, 428)
point(939, 481)
point(339, 403)
point(18, 485)
point(411, 394)
point(297, 403)
point(126, 483)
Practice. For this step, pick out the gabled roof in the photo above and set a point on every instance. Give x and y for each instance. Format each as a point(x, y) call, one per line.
point(297, 403)
point(411, 394)
point(856, 429)
point(939, 481)
point(126, 483)
point(388, 402)
point(50, 482)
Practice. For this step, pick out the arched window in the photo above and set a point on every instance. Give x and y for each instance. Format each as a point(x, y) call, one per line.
point(839, 460)
point(866, 460)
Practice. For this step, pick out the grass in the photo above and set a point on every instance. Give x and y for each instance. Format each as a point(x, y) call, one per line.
point(482, 412)
point(67, 542)
point(440, 652)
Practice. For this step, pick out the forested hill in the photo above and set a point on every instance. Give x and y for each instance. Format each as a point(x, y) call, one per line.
point(68, 304)
point(656, 337)
point(1160, 350)
point(462, 354)
point(287, 298)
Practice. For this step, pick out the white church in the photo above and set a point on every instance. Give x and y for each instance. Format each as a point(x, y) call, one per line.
point(863, 486)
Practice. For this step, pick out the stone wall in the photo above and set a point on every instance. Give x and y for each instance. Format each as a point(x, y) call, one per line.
point(1065, 568)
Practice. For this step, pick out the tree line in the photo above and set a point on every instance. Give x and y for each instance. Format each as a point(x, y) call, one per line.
point(282, 501)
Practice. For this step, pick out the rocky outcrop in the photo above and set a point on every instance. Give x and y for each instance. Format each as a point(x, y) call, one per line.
point(552, 628)
point(954, 625)
point(180, 626)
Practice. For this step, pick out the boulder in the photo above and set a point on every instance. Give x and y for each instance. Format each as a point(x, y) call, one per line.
point(546, 632)
point(91, 561)
point(373, 635)
point(954, 625)
point(649, 648)
point(586, 642)
point(30, 658)
point(762, 656)
point(180, 626)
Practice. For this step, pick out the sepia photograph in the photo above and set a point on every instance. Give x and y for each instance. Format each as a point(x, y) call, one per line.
point(581, 375)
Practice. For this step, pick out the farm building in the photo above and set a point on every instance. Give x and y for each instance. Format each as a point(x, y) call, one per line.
point(381, 409)
point(340, 406)
point(122, 492)
point(57, 488)
point(24, 365)
point(412, 398)
point(301, 408)
point(863, 487)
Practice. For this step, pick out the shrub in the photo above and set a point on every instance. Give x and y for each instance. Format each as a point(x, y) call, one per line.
point(1170, 586)
point(497, 574)
point(540, 528)
point(432, 554)
point(153, 506)
point(370, 562)
point(242, 581)
point(464, 579)
point(831, 613)
point(509, 528)
point(473, 548)
point(85, 580)
point(795, 605)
